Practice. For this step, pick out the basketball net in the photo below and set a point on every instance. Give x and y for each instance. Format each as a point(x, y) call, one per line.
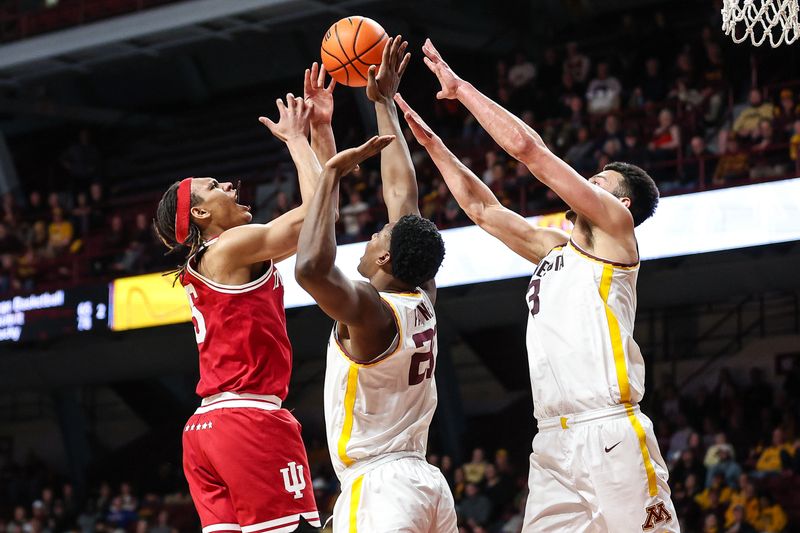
point(776, 20)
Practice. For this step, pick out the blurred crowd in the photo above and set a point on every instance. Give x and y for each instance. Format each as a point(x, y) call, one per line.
point(33, 502)
point(72, 233)
point(733, 452)
point(682, 106)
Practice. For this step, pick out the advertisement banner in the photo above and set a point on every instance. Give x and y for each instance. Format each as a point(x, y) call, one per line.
point(149, 300)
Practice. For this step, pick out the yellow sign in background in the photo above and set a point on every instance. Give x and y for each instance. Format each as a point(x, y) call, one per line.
point(149, 300)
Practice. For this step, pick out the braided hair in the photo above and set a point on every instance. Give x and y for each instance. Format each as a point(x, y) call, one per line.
point(164, 225)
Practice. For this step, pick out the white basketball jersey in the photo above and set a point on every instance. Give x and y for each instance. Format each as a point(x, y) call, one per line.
point(386, 405)
point(581, 351)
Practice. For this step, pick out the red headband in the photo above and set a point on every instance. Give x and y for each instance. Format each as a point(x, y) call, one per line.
point(182, 212)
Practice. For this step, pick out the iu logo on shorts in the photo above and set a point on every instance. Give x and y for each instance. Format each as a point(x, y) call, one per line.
point(656, 514)
point(293, 479)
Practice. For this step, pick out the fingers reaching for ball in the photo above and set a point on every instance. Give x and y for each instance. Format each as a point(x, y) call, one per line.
point(447, 78)
point(320, 96)
point(347, 160)
point(383, 81)
point(293, 118)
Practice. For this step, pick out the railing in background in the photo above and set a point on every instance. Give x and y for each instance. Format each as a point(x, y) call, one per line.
point(695, 174)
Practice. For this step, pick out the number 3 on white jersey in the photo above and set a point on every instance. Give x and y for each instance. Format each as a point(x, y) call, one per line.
point(197, 318)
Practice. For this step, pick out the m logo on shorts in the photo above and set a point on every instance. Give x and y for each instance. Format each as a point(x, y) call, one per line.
point(656, 514)
point(293, 479)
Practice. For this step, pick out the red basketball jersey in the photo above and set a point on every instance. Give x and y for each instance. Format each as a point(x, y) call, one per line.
point(241, 334)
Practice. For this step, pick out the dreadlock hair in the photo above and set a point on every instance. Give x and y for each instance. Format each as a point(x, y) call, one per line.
point(164, 225)
point(416, 249)
point(637, 185)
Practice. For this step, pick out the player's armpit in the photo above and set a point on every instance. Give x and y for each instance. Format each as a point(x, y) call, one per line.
point(254, 243)
point(527, 241)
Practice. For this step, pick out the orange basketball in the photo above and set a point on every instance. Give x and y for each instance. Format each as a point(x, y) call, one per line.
point(349, 48)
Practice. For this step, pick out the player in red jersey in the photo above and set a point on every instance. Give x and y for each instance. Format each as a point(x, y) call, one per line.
point(243, 454)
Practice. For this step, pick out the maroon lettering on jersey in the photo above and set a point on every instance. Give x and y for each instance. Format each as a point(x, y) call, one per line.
point(422, 362)
point(241, 334)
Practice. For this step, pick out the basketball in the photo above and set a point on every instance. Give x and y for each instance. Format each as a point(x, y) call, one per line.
point(350, 47)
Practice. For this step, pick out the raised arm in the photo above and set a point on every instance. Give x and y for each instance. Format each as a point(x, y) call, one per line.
point(295, 117)
point(353, 303)
point(478, 201)
point(322, 141)
point(604, 210)
point(397, 171)
point(276, 240)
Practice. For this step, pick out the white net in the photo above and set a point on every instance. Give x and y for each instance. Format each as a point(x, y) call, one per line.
point(761, 20)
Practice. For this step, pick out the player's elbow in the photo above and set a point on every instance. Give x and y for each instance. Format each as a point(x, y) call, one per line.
point(528, 149)
point(310, 267)
point(478, 212)
point(475, 213)
point(307, 269)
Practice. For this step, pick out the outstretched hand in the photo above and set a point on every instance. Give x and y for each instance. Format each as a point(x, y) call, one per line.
point(449, 80)
point(382, 83)
point(422, 132)
point(321, 97)
point(293, 118)
point(346, 161)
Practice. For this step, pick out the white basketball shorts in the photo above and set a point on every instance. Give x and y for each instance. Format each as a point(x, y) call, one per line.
point(598, 471)
point(405, 495)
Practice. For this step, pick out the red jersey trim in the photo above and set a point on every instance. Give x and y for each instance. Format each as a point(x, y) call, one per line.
point(230, 395)
point(226, 400)
point(221, 527)
point(232, 404)
point(234, 289)
point(286, 523)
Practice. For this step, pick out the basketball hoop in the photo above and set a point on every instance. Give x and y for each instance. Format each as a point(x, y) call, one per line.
point(776, 20)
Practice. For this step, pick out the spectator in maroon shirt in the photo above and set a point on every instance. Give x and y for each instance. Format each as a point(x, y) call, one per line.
point(577, 64)
point(82, 214)
point(785, 115)
point(82, 160)
point(633, 151)
point(713, 81)
point(36, 209)
point(9, 242)
point(97, 202)
point(666, 137)
point(699, 162)
point(654, 87)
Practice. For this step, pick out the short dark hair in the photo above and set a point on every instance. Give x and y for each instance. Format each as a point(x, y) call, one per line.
point(637, 185)
point(416, 249)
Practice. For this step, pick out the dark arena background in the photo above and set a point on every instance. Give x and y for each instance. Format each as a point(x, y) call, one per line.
point(104, 103)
